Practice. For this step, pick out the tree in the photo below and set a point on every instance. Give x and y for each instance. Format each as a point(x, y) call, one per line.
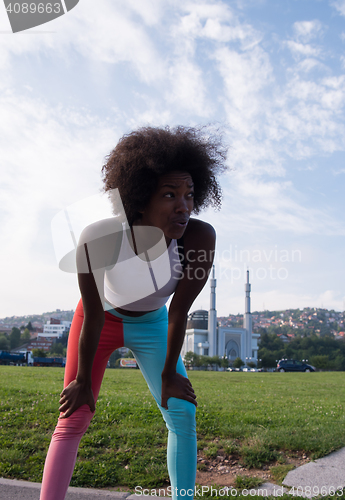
point(30, 327)
point(204, 361)
point(268, 358)
point(190, 359)
point(4, 343)
point(116, 355)
point(25, 335)
point(15, 337)
point(215, 361)
point(238, 363)
point(56, 348)
point(321, 362)
point(39, 353)
point(224, 362)
point(339, 363)
point(198, 361)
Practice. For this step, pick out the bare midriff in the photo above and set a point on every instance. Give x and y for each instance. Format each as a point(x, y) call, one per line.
point(134, 314)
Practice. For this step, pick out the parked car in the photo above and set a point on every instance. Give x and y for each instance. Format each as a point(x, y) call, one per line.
point(291, 365)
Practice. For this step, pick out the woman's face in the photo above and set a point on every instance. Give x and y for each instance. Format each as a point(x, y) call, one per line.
point(171, 205)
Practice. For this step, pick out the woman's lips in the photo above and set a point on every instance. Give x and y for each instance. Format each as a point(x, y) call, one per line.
point(180, 223)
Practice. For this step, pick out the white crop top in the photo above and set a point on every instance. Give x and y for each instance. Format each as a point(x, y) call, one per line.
point(137, 285)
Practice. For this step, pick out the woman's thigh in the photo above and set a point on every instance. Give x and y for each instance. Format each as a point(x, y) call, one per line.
point(147, 339)
point(111, 339)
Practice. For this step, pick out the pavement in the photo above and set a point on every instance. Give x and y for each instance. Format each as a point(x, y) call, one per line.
point(323, 477)
point(13, 489)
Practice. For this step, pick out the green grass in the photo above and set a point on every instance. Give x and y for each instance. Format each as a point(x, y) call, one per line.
point(245, 482)
point(279, 472)
point(258, 418)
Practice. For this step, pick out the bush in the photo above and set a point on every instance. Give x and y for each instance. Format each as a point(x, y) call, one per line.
point(39, 353)
point(4, 343)
point(238, 363)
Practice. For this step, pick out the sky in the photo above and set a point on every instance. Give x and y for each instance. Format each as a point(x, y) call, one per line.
point(270, 75)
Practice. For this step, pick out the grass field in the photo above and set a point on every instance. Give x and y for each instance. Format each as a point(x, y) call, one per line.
point(256, 417)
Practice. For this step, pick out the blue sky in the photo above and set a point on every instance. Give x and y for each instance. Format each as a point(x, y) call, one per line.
point(270, 74)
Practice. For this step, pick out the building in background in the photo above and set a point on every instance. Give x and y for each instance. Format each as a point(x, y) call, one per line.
point(205, 337)
point(55, 328)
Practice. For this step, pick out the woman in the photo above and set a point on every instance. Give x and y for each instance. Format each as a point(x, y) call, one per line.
point(162, 176)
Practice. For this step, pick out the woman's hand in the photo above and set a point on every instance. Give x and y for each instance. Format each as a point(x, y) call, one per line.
point(177, 386)
point(74, 396)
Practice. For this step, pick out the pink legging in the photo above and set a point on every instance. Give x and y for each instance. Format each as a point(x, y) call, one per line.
point(146, 336)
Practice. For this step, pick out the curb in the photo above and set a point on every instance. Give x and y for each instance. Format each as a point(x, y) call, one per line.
point(91, 492)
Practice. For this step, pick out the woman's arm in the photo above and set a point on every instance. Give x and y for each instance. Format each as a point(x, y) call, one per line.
point(95, 252)
point(79, 391)
point(199, 245)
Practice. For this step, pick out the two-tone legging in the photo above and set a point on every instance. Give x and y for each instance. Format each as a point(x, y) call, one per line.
point(146, 337)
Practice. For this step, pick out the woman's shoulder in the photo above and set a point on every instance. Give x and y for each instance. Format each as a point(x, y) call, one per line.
point(103, 241)
point(199, 234)
point(199, 227)
point(100, 229)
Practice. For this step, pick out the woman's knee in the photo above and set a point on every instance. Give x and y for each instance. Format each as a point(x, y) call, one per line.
point(182, 406)
point(75, 425)
point(180, 416)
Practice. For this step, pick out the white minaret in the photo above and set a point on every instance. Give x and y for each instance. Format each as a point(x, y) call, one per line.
point(212, 317)
point(247, 320)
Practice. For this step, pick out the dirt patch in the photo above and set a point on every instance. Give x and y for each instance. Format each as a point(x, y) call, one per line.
point(223, 469)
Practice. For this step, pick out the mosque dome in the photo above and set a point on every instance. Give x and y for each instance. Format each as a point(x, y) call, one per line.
point(198, 320)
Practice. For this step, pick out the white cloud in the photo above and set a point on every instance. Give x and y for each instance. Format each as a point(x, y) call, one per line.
point(187, 89)
point(309, 64)
point(312, 116)
point(51, 150)
point(307, 30)
point(301, 49)
point(339, 5)
point(51, 157)
point(245, 75)
point(330, 299)
point(108, 34)
point(258, 205)
point(151, 11)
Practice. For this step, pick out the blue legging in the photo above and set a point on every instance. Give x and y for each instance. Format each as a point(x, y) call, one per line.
point(146, 337)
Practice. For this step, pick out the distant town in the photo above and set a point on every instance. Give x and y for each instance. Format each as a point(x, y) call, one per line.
point(46, 335)
point(296, 321)
point(293, 322)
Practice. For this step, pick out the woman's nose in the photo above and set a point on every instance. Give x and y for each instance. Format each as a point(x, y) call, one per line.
point(181, 205)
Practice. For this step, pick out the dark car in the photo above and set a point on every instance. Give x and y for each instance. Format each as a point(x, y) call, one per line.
point(291, 365)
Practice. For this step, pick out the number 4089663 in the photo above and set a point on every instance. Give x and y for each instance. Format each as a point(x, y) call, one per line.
point(315, 490)
point(34, 8)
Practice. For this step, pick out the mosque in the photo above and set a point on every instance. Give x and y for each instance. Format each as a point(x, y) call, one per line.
point(205, 337)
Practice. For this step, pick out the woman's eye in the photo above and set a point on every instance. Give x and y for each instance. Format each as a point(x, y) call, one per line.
point(191, 195)
point(169, 195)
